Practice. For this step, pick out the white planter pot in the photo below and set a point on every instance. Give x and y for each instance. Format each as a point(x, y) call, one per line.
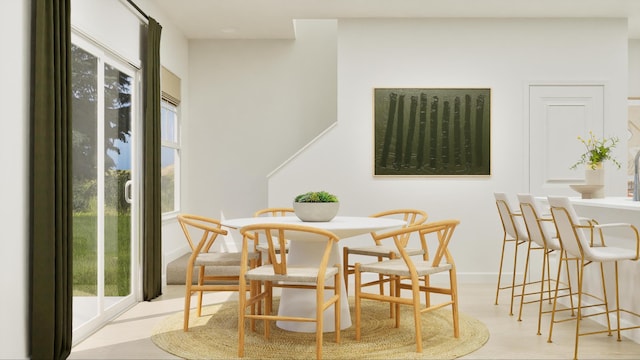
point(595, 177)
point(317, 212)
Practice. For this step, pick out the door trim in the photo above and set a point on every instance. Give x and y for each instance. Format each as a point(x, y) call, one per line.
point(526, 133)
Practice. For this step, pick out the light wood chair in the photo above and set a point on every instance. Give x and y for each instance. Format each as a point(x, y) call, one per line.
point(514, 233)
point(541, 231)
point(586, 242)
point(382, 251)
point(273, 211)
point(278, 273)
point(414, 274)
point(216, 271)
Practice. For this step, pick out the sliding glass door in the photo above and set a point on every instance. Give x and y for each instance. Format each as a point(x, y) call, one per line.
point(105, 240)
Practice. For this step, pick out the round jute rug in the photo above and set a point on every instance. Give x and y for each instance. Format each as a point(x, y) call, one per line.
point(214, 335)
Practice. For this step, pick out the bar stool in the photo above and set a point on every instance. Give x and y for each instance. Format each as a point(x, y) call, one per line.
point(578, 240)
point(515, 234)
point(541, 231)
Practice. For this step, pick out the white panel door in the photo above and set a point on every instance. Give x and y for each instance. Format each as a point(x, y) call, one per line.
point(557, 115)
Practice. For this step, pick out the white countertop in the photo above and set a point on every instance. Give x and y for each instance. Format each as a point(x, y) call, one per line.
point(624, 203)
point(610, 202)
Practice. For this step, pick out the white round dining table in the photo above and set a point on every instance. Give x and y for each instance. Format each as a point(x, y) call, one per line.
point(299, 302)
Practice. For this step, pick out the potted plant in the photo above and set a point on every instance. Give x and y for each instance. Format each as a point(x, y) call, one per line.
point(316, 206)
point(598, 150)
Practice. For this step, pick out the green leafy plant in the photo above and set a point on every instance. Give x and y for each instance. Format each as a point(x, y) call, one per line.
point(598, 150)
point(316, 196)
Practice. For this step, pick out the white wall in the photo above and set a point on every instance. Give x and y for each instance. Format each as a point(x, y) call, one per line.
point(15, 36)
point(253, 103)
point(500, 54)
point(110, 23)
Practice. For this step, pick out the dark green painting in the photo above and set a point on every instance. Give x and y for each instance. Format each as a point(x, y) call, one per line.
point(432, 131)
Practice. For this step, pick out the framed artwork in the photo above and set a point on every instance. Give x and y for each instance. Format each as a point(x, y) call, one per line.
point(432, 131)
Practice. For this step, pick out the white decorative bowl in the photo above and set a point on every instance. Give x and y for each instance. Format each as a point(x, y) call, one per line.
point(589, 191)
point(316, 211)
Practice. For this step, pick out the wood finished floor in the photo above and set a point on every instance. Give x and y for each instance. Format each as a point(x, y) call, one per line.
point(128, 336)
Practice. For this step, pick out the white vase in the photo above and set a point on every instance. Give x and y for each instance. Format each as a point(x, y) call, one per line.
point(316, 211)
point(595, 177)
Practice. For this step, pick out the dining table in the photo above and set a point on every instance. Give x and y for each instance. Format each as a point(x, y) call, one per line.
point(300, 302)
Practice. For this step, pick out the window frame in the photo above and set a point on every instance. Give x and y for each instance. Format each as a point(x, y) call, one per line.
point(168, 104)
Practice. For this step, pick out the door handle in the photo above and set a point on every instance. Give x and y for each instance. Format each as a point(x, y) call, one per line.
point(127, 191)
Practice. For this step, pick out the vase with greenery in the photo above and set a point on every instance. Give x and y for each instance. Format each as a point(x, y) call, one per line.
point(316, 206)
point(598, 150)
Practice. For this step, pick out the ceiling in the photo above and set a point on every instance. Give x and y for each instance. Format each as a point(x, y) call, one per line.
point(273, 19)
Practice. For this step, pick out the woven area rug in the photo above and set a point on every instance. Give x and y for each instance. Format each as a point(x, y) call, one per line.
point(214, 335)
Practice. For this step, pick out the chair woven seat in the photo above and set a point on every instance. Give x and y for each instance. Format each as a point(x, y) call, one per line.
point(398, 267)
point(264, 248)
point(222, 259)
point(294, 274)
point(381, 250)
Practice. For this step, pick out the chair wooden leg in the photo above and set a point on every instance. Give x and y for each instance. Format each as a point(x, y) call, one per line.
point(453, 281)
point(200, 284)
point(398, 289)
point(391, 286)
point(415, 292)
point(187, 298)
point(345, 268)
point(187, 306)
point(268, 304)
point(338, 304)
point(427, 294)
point(319, 321)
point(242, 299)
point(358, 300)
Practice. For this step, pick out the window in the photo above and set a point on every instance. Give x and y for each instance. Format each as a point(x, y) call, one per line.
point(170, 158)
point(170, 133)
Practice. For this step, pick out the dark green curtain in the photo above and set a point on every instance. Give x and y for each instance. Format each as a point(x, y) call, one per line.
point(50, 287)
point(152, 214)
